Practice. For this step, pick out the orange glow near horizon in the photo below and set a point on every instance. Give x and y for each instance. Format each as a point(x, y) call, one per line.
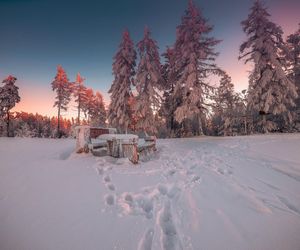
point(35, 99)
point(40, 99)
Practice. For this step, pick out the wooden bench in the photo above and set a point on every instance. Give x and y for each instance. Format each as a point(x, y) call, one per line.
point(148, 147)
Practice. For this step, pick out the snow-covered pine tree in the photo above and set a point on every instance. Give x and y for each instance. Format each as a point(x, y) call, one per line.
point(148, 83)
point(119, 114)
point(9, 96)
point(79, 92)
point(62, 86)
point(270, 90)
point(293, 58)
point(194, 53)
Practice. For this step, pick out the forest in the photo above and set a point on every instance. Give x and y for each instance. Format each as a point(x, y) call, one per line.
point(182, 92)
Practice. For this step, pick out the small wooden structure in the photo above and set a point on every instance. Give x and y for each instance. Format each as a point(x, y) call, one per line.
point(94, 140)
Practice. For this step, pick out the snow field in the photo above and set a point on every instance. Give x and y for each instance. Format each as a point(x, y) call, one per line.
point(198, 193)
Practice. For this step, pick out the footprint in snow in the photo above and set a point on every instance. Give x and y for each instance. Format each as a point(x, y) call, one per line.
point(171, 172)
point(100, 171)
point(173, 192)
point(106, 178)
point(109, 199)
point(147, 206)
point(169, 238)
point(139, 205)
point(162, 189)
point(128, 198)
point(220, 171)
point(111, 186)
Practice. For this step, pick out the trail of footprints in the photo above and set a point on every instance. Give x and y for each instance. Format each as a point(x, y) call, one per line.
point(155, 203)
point(110, 198)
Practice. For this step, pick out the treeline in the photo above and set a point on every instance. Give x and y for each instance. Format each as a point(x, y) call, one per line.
point(89, 104)
point(24, 124)
point(176, 98)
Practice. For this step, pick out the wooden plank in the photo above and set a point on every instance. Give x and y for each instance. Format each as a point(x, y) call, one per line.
point(95, 132)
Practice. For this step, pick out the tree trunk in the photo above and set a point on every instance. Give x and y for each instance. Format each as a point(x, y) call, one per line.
point(264, 124)
point(172, 125)
point(78, 118)
point(200, 125)
point(58, 122)
point(7, 122)
point(172, 122)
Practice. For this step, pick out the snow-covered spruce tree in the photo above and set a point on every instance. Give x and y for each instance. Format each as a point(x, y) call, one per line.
point(94, 108)
point(194, 53)
point(119, 114)
point(97, 112)
point(293, 58)
point(170, 103)
point(24, 130)
point(270, 90)
point(62, 86)
point(79, 92)
point(148, 83)
point(88, 103)
point(225, 99)
point(9, 96)
point(243, 120)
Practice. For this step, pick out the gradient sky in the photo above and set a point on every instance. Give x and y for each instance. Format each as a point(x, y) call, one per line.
point(83, 36)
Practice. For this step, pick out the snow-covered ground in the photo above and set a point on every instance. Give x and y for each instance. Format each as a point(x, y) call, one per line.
point(200, 193)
